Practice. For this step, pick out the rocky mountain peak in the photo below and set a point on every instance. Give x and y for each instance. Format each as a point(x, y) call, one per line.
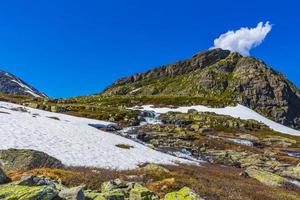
point(220, 74)
point(10, 84)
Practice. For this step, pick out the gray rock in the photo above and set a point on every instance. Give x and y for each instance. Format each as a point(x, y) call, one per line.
point(35, 181)
point(75, 193)
point(24, 159)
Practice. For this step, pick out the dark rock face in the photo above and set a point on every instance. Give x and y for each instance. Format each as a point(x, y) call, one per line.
point(3, 177)
point(201, 60)
point(223, 75)
point(10, 84)
point(23, 159)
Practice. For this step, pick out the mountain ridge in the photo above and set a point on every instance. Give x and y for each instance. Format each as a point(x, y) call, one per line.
point(11, 84)
point(220, 74)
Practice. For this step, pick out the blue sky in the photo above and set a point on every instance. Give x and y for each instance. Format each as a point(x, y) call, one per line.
point(71, 47)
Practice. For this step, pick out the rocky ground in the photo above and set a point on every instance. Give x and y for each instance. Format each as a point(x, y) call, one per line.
point(239, 159)
point(147, 182)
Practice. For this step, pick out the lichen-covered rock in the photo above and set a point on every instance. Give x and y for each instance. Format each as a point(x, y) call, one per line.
point(155, 168)
point(183, 194)
point(18, 192)
point(138, 192)
point(265, 177)
point(75, 193)
point(35, 181)
point(24, 159)
point(114, 184)
point(3, 177)
point(279, 141)
point(112, 195)
point(118, 190)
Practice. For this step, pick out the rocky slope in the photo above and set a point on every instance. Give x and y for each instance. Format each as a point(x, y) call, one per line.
point(219, 74)
point(10, 84)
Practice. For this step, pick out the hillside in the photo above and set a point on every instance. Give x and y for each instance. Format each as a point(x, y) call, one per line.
point(219, 74)
point(10, 84)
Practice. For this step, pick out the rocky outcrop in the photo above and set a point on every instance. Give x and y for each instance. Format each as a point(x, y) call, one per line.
point(219, 74)
point(10, 84)
point(24, 159)
point(39, 187)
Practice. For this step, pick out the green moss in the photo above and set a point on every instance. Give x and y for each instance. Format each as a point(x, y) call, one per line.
point(183, 194)
point(15, 192)
point(139, 192)
point(265, 177)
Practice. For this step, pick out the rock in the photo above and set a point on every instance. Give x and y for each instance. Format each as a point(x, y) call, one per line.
point(35, 181)
point(113, 184)
point(265, 177)
point(138, 192)
point(183, 194)
point(279, 141)
point(119, 190)
point(192, 111)
point(75, 193)
point(112, 195)
point(18, 192)
point(155, 168)
point(249, 137)
point(23, 159)
point(3, 177)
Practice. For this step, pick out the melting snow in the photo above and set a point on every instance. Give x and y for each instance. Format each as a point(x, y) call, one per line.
point(238, 111)
point(72, 140)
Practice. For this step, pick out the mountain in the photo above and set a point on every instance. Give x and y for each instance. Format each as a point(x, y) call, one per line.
point(10, 84)
point(220, 74)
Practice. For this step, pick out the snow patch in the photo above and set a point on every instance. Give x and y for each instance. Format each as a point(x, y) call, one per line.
point(238, 111)
point(72, 140)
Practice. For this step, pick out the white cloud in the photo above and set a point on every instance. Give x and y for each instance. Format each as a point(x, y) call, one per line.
point(244, 39)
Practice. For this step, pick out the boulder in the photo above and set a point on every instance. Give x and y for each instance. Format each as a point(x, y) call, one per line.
point(112, 195)
point(24, 159)
point(155, 168)
point(35, 181)
point(183, 194)
point(138, 192)
point(12, 191)
point(119, 190)
point(113, 184)
point(75, 193)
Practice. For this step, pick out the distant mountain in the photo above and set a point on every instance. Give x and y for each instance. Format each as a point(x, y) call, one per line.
point(220, 74)
point(10, 84)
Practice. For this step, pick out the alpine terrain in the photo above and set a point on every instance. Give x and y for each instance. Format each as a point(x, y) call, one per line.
point(216, 126)
point(224, 75)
